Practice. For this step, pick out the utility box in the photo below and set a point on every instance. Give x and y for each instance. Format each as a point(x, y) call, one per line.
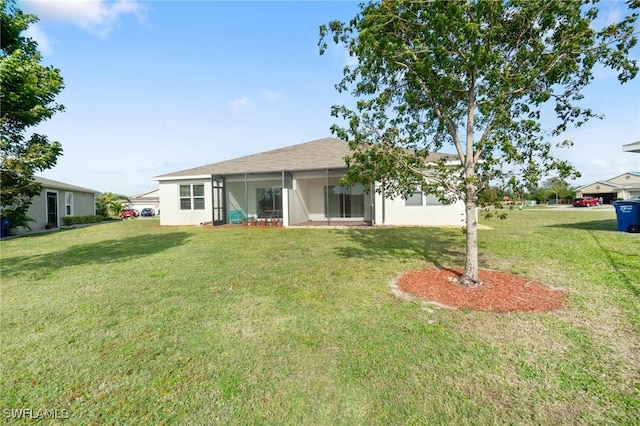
point(628, 215)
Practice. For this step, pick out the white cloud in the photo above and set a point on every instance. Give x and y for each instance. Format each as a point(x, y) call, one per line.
point(35, 32)
point(272, 95)
point(340, 56)
point(610, 13)
point(241, 103)
point(94, 16)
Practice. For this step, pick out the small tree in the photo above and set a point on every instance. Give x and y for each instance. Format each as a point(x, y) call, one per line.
point(474, 76)
point(27, 96)
point(111, 204)
point(558, 188)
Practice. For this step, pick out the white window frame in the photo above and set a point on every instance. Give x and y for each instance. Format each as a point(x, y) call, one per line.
point(68, 203)
point(196, 202)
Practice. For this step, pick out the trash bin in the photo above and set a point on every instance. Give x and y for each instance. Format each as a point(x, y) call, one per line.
point(628, 215)
point(4, 230)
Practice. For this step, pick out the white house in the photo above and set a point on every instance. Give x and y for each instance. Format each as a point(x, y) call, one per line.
point(295, 185)
point(149, 199)
point(632, 147)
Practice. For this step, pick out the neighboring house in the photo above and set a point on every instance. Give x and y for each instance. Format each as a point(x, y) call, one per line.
point(149, 199)
point(625, 187)
point(632, 147)
point(58, 200)
point(296, 185)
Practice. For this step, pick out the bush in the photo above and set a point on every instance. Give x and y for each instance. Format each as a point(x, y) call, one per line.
point(78, 220)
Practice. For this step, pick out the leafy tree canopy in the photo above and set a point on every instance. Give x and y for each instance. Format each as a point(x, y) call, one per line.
point(111, 203)
point(27, 98)
point(473, 76)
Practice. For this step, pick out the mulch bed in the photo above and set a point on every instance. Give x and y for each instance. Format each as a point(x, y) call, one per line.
point(500, 291)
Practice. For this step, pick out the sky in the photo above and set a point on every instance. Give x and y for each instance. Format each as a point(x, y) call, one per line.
point(154, 87)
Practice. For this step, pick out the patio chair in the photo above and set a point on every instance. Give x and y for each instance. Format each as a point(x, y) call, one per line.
point(236, 216)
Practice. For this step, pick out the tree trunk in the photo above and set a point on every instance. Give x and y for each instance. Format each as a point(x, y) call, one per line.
point(470, 275)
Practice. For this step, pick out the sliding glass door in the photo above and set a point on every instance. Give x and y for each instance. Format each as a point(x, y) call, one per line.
point(344, 202)
point(269, 202)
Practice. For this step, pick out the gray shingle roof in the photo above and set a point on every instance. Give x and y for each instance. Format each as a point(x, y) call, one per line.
point(319, 154)
point(327, 153)
point(54, 184)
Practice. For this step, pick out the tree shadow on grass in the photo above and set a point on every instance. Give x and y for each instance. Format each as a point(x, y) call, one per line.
point(438, 246)
point(101, 252)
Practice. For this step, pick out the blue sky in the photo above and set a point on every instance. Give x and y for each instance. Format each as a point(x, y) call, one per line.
point(155, 87)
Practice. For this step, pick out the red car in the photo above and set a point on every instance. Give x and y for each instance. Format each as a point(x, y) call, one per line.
point(585, 202)
point(127, 213)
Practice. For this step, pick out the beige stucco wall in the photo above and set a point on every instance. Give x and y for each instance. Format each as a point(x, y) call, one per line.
point(596, 187)
point(83, 204)
point(625, 186)
point(626, 179)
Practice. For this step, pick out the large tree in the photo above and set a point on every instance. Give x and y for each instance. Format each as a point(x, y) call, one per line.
point(474, 77)
point(27, 98)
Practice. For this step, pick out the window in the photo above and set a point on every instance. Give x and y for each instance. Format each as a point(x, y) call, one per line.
point(414, 199)
point(269, 202)
point(432, 200)
point(191, 197)
point(68, 202)
point(344, 202)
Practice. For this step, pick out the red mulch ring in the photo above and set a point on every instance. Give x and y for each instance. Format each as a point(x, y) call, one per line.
point(500, 291)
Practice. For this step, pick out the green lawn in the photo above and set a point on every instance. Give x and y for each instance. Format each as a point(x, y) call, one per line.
point(130, 322)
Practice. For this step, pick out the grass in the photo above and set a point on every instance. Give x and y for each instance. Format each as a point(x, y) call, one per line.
point(130, 322)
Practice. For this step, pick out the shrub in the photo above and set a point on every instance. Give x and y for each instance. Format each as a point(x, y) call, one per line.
point(78, 220)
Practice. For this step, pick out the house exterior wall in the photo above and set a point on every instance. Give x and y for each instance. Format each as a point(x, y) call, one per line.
point(395, 212)
point(150, 200)
point(311, 193)
point(623, 187)
point(596, 187)
point(626, 179)
point(139, 205)
point(38, 211)
point(83, 204)
point(601, 189)
point(297, 211)
point(170, 199)
point(305, 201)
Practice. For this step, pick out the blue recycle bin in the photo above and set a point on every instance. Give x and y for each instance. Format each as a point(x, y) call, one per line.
point(628, 214)
point(4, 230)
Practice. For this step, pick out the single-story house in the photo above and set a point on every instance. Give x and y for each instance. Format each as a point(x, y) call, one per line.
point(149, 199)
point(295, 185)
point(57, 200)
point(632, 147)
point(624, 187)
